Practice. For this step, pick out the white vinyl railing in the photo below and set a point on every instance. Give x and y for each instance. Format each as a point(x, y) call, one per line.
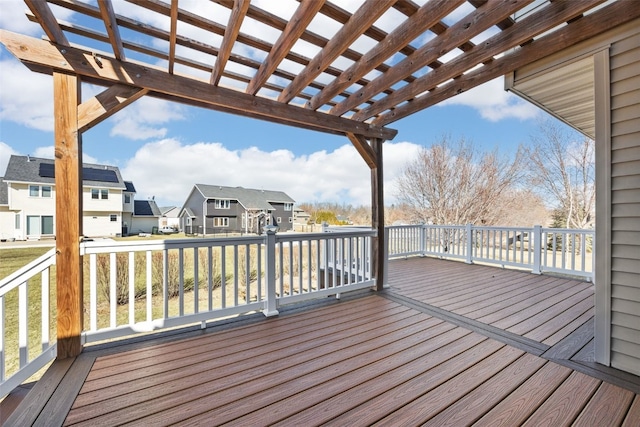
point(541, 250)
point(148, 285)
point(29, 347)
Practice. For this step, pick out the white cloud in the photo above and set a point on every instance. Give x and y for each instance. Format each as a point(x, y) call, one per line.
point(494, 103)
point(142, 119)
point(46, 152)
point(26, 97)
point(13, 18)
point(168, 170)
point(5, 153)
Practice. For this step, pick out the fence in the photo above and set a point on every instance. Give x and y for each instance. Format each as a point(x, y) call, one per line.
point(541, 250)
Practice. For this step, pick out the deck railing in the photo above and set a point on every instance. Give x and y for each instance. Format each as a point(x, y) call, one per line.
point(148, 285)
point(29, 347)
point(541, 250)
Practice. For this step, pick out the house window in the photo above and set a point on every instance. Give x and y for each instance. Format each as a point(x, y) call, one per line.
point(47, 224)
point(113, 218)
point(40, 191)
point(17, 221)
point(288, 206)
point(101, 193)
point(38, 225)
point(222, 204)
point(127, 198)
point(220, 222)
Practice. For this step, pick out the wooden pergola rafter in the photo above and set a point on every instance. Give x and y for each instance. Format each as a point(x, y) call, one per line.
point(315, 74)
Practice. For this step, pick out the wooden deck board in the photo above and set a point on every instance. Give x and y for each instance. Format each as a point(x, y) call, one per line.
point(209, 349)
point(480, 400)
point(565, 404)
point(633, 416)
point(385, 359)
point(518, 406)
point(413, 403)
point(608, 407)
point(537, 307)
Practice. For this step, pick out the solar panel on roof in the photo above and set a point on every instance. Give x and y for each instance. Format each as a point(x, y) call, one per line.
point(47, 170)
point(100, 175)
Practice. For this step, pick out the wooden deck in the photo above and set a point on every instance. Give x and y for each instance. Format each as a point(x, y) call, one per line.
point(446, 344)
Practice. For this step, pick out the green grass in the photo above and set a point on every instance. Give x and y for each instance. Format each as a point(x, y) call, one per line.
point(13, 259)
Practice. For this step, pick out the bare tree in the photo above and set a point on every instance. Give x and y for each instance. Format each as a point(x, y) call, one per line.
point(451, 183)
point(563, 168)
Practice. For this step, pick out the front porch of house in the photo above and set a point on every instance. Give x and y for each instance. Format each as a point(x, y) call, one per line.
point(445, 344)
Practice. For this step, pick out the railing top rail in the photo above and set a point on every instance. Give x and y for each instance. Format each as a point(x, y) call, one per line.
point(144, 245)
point(28, 271)
point(567, 230)
point(319, 236)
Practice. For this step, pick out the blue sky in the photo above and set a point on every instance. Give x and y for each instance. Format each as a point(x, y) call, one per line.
point(165, 148)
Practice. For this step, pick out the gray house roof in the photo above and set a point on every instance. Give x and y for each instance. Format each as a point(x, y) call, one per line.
point(4, 192)
point(249, 198)
point(37, 170)
point(146, 208)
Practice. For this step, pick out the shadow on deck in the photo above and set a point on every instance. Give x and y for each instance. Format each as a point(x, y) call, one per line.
point(447, 343)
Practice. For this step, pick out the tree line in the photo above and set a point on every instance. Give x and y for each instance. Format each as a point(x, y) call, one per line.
point(550, 181)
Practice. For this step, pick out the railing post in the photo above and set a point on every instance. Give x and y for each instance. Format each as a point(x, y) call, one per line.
point(385, 258)
point(469, 259)
point(537, 249)
point(423, 240)
point(271, 303)
point(592, 278)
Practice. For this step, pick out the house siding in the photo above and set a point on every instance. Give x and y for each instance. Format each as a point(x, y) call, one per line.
point(7, 223)
point(286, 216)
point(234, 214)
point(99, 224)
point(625, 203)
point(194, 203)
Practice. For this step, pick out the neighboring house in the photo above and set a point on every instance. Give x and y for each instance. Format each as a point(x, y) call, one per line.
point(300, 217)
point(146, 217)
point(211, 209)
point(27, 199)
point(170, 217)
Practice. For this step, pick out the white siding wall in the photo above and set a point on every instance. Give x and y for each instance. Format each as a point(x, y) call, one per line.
point(99, 224)
point(625, 203)
point(7, 223)
point(143, 224)
point(112, 204)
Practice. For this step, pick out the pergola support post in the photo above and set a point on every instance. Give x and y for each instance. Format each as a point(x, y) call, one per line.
point(68, 180)
point(377, 215)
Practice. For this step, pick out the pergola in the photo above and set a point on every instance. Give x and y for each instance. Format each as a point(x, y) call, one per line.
point(377, 62)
